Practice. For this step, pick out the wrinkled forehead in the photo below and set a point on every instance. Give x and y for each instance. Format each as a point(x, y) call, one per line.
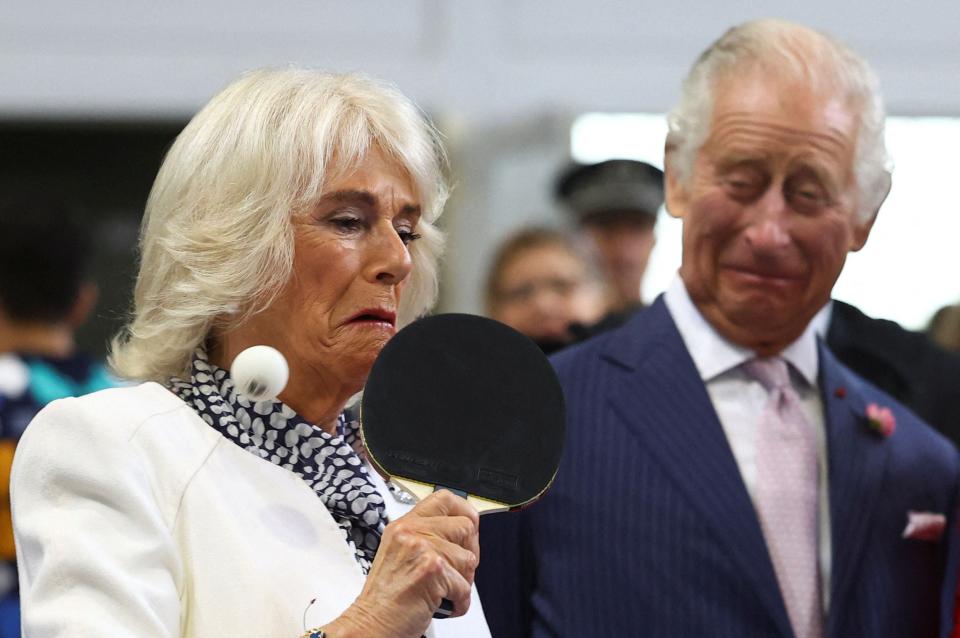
point(802, 95)
point(785, 114)
point(343, 164)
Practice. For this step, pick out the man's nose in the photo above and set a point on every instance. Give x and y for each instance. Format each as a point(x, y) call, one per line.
point(768, 229)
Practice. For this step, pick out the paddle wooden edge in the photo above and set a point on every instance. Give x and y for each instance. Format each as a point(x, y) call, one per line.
point(420, 491)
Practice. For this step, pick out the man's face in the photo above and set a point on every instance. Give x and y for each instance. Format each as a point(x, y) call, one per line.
point(623, 249)
point(769, 212)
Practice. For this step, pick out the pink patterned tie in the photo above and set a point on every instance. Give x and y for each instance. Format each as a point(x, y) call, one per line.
point(787, 495)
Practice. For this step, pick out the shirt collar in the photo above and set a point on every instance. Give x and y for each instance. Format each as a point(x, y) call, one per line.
point(713, 355)
point(821, 320)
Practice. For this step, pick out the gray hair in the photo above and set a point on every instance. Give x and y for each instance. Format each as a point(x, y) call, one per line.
point(216, 241)
point(794, 51)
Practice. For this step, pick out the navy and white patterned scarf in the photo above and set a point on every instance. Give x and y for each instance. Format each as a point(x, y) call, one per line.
point(330, 465)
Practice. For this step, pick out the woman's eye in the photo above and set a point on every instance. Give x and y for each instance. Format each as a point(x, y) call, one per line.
point(347, 224)
point(407, 236)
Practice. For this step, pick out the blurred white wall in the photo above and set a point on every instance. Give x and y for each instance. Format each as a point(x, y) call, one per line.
point(503, 77)
point(481, 59)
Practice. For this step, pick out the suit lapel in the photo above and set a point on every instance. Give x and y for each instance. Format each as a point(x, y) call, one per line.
point(857, 464)
point(681, 429)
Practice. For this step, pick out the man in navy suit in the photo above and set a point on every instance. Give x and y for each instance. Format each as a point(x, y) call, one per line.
point(724, 475)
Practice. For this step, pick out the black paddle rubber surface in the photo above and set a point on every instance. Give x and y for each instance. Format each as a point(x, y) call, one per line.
point(466, 403)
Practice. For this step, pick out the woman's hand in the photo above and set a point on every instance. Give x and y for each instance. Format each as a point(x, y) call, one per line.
point(427, 555)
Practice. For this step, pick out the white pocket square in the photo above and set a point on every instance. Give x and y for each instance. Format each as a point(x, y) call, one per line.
point(925, 526)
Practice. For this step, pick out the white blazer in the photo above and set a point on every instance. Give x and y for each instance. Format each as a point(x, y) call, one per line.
point(133, 517)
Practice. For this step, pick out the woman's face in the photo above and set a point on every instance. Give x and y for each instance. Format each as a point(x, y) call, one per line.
point(543, 290)
point(351, 259)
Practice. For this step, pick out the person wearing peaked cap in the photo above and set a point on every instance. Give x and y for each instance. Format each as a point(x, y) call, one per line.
point(616, 203)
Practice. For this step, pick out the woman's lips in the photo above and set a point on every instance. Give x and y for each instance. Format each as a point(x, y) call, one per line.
point(375, 317)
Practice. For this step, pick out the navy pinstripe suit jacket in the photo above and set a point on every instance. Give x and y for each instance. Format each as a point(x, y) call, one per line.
point(649, 530)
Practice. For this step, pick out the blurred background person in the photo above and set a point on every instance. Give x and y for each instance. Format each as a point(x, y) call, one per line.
point(615, 204)
point(543, 284)
point(295, 210)
point(906, 364)
point(944, 327)
point(45, 295)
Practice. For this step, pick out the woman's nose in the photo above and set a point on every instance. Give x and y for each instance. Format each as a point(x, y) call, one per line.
point(390, 261)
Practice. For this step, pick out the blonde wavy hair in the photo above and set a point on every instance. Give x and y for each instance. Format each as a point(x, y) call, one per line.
point(216, 241)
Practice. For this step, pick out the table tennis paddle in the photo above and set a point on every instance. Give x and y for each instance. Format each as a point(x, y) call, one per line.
point(464, 403)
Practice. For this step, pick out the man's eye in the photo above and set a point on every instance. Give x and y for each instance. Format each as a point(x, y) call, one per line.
point(807, 196)
point(743, 183)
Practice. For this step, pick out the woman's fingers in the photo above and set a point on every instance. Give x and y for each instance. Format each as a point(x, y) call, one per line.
point(457, 590)
point(452, 538)
point(459, 530)
point(426, 556)
point(446, 503)
point(460, 559)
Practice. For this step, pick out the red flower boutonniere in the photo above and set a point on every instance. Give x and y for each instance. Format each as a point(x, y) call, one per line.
point(881, 420)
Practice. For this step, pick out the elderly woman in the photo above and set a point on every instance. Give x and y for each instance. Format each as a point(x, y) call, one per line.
point(295, 210)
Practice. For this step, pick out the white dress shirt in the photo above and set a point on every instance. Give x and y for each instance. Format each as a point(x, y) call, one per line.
point(739, 400)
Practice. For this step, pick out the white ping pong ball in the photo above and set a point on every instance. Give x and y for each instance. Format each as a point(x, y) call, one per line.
point(260, 373)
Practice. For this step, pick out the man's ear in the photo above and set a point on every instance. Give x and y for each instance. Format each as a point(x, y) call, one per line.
point(862, 230)
point(675, 193)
